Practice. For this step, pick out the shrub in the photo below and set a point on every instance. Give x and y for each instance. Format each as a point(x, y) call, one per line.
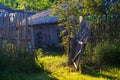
point(108, 52)
point(22, 62)
point(105, 53)
point(38, 53)
point(89, 61)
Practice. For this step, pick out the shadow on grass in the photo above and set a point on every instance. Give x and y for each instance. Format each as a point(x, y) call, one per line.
point(44, 75)
point(96, 73)
point(53, 53)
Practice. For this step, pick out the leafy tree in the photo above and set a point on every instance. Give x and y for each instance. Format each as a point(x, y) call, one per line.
point(102, 12)
point(36, 5)
point(100, 7)
point(68, 12)
point(15, 4)
point(32, 5)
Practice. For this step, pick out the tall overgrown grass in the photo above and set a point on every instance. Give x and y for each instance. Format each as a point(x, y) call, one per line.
point(18, 61)
point(108, 52)
point(104, 53)
point(25, 65)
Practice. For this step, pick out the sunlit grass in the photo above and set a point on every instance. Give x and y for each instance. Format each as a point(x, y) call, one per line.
point(58, 68)
point(55, 68)
point(111, 72)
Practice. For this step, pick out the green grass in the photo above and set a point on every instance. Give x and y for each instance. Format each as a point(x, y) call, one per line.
point(55, 68)
point(25, 76)
point(58, 68)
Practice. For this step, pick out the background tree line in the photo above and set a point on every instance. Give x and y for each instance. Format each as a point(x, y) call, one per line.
point(32, 5)
point(99, 12)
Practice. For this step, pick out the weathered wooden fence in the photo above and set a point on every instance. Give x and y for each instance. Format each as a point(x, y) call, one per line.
point(12, 31)
point(108, 29)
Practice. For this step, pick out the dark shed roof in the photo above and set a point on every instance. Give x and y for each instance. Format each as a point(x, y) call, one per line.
point(43, 17)
point(22, 11)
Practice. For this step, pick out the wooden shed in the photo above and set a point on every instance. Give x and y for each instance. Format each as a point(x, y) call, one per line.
point(45, 30)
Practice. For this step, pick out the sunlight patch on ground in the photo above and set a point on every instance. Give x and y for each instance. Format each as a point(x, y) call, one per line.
point(58, 68)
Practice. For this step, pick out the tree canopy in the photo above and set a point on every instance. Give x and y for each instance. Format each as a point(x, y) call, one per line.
point(32, 5)
point(70, 10)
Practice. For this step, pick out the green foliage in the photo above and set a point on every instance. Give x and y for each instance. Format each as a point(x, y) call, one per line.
point(32, 5)
point(92, 7)
point(15, 4)
point(68, 12)
point(37, 5)
point(89, 61)
point(104, 53)
point(108, 52)
point(99, 9)
point(56, 69)
point(39, 53)
point(21, 61)
point(9, 49)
